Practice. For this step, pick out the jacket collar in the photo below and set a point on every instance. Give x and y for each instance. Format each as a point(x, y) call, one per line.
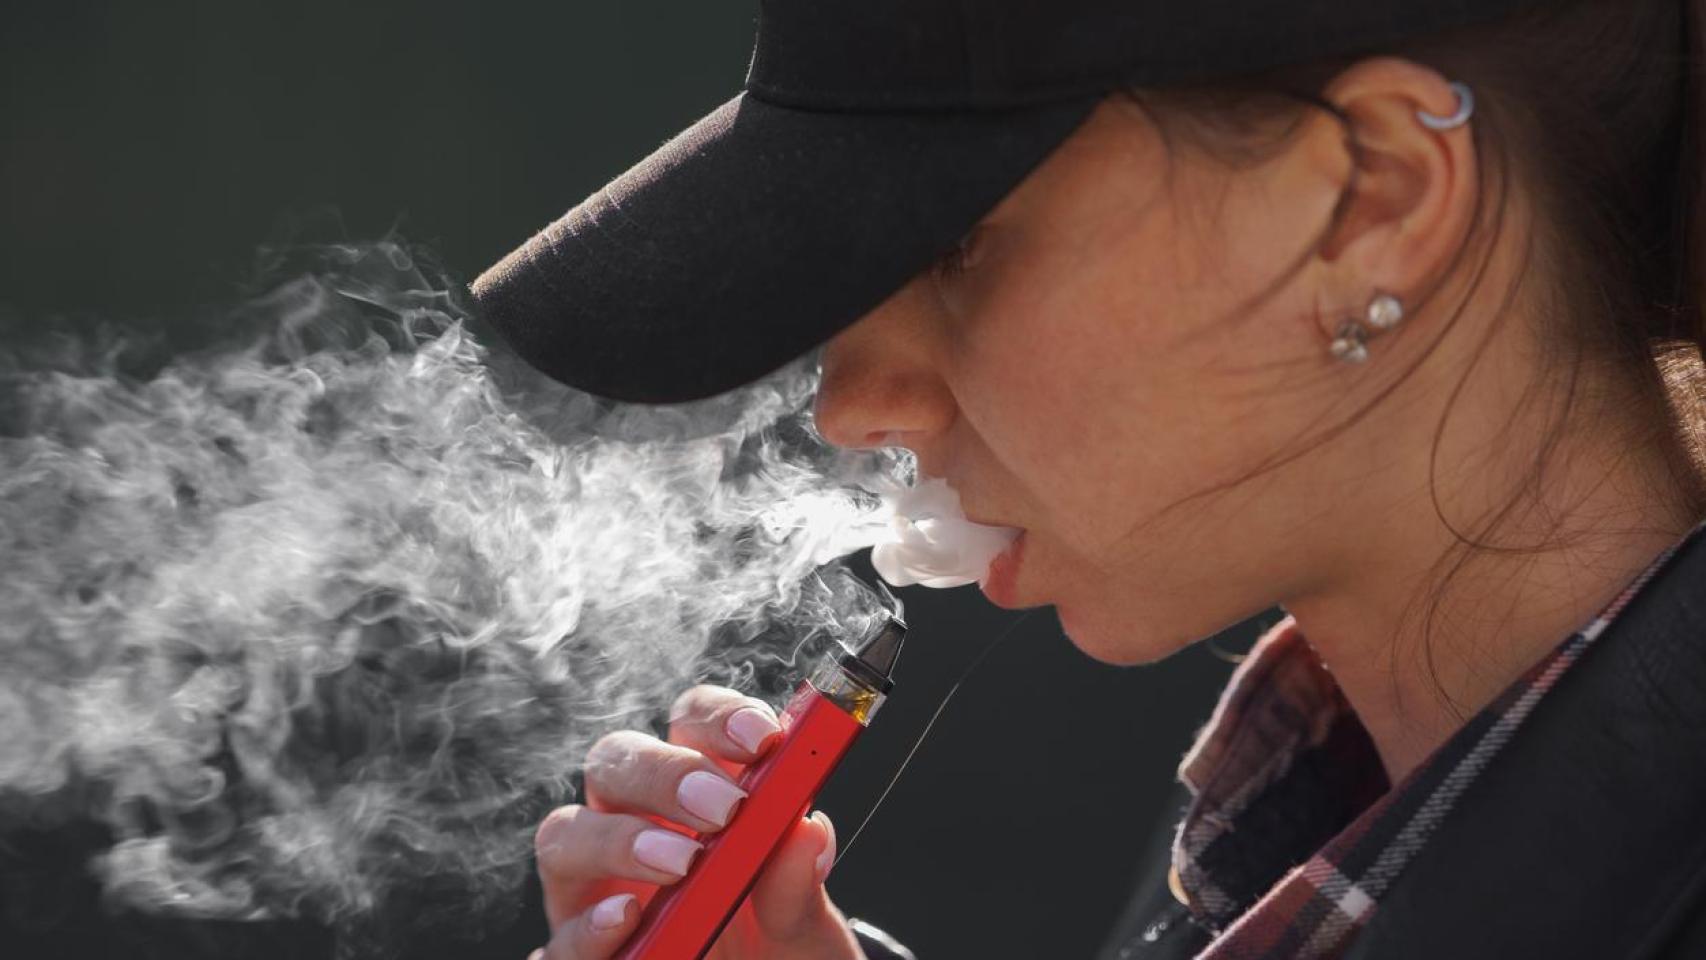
point(1585, 838)
point(1285, 781)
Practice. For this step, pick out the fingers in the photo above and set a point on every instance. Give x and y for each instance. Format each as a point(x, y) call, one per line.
point(632, 772)
point(636, 787)
point(596, 933)
point(788, 898)
point(579, 849)
point(720, 722)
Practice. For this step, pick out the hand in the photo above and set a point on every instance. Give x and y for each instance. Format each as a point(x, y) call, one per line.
point(602, 862)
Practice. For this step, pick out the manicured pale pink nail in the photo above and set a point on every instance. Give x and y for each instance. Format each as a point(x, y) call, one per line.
point(826, 859)
point(611, 911)
point(750, 726)
point(709, 796)
point(665, 850)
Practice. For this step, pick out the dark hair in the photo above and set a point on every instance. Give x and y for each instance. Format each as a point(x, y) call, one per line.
point(1594, 108)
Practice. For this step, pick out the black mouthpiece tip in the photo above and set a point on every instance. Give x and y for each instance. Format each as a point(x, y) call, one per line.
point(872, 659)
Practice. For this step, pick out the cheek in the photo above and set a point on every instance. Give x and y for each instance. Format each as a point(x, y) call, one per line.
point(1079, 379)
point(1100, 385)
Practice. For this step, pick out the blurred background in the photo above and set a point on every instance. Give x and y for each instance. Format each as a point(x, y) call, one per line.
point(148, 149)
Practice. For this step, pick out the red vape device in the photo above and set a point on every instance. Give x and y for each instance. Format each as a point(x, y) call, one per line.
point(825, 716)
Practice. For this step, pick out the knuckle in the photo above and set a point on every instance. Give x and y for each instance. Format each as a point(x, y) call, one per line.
point(660, 780)
point(690, 704)
point(701, 702)
point(556, 828)
point(683, 704)
point(615, 751)
point(707, 725)
point(634, 768)
point(616, 849)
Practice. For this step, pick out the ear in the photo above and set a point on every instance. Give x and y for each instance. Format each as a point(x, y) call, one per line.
point(1410, 191)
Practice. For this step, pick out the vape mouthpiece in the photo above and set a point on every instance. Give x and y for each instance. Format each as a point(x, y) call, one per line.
point(873, 657)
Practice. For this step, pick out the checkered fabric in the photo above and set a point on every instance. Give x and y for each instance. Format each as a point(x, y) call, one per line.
point(1292, 836)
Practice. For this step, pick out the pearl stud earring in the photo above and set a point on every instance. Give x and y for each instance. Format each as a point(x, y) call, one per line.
point(1350, 341)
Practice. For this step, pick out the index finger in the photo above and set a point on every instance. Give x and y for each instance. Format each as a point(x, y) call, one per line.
point(723, 724)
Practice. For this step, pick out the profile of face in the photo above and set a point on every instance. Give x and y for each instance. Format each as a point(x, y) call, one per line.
point(1140, 321)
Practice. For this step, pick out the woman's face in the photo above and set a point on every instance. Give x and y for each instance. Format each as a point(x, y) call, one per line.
point(1109, 343)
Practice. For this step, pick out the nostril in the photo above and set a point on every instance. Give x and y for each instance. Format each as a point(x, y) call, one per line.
point(841, 421)
point(863, 404)
point(851, 431)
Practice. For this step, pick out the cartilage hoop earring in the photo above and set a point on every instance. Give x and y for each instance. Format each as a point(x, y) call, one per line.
point(1465, 110)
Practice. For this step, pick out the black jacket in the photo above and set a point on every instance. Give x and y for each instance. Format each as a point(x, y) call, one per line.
point(1585, 839)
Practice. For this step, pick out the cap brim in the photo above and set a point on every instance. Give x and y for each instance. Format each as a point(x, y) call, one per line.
point(752, 237)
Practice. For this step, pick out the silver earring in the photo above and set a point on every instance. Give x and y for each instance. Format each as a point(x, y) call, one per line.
point(1465, 110)
point(1350, 341)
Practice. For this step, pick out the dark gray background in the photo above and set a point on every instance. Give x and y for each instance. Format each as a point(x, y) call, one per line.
point(146, 148)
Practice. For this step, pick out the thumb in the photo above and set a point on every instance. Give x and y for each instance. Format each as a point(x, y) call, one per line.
point(788, 898)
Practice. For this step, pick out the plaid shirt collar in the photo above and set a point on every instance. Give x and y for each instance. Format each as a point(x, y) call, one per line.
point(1292, 835)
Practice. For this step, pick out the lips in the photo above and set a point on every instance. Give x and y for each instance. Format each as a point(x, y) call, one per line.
point(1000, 583)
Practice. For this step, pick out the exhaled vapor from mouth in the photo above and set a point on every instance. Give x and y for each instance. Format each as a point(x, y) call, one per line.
point(934, 543)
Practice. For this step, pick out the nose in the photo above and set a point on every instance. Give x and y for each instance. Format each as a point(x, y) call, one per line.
point(882, 381)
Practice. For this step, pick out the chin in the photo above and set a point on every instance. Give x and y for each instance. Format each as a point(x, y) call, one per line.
point(1114, 643)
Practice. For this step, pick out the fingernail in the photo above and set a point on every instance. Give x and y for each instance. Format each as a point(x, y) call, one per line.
point(750, 726)
point(611, 911)
point(709, 796)
point(536, 955)
point(665, 850)
point(826, 859)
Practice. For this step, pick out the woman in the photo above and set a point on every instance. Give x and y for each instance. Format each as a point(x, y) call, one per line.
point(1387, 316)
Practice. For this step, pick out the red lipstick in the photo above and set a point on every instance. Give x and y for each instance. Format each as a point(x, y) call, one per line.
point(827, 713)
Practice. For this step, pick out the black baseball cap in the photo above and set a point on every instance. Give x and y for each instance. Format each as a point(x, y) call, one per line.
point(870, 136)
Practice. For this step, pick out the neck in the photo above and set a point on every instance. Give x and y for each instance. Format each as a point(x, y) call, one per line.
point(1421, 631)
point(1414, 687)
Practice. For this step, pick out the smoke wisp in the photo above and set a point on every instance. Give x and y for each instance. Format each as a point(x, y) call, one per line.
point(319, 622)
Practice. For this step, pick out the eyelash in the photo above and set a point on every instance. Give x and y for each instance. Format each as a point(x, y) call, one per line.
point(953, 263)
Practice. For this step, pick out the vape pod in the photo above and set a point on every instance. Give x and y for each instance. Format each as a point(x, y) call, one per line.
point(827, 713)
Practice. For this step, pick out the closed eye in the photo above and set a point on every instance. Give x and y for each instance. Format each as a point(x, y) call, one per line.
point(958, 258)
